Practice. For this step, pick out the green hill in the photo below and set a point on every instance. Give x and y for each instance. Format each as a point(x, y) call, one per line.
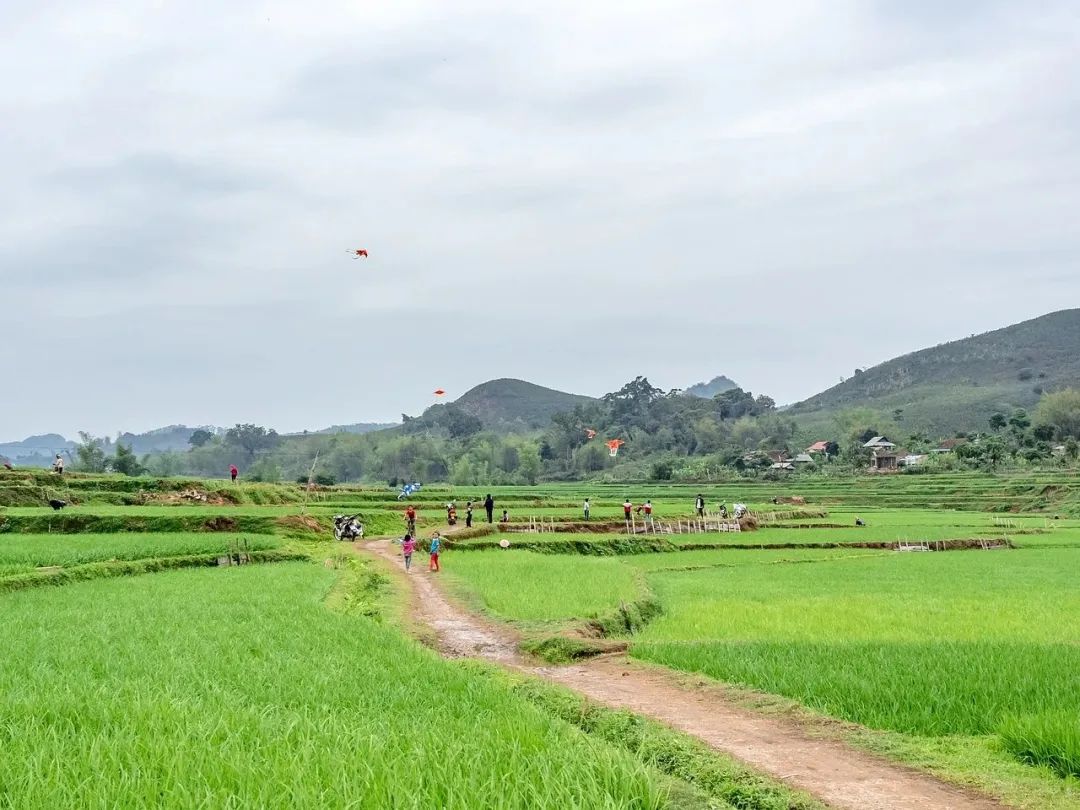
point(959, 385)
point(515, 405)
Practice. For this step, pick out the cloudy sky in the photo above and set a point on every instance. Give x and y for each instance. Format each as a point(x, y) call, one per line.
point(570, 193)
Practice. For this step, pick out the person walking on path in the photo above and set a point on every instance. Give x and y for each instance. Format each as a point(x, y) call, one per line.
point(58, 465)
point(410, 520)
point(468, 514)
point(489, 507)
point(585, 509)
point(699, 505)
point(408, 546)
point(436, 546)
point(233, 472)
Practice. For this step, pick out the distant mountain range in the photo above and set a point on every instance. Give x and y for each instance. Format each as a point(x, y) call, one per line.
point(708, 390)
point(959, 385)
point(940, 390)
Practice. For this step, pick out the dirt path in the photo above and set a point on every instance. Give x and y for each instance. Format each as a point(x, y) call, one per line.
point(837, 774)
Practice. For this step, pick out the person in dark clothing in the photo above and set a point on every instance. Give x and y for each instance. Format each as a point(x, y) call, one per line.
point(468, 515)
point(699, 506)
point(489, 507)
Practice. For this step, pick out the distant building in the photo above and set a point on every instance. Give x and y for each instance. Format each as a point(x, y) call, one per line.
point(782, 466)
point(879, 443)
point(778, 456)
point(948, 445)
point(883, 456)
point(912, 460)
point(818, 447)
point(804, 458)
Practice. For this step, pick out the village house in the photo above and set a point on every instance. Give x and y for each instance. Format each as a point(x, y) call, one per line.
point(883, 456)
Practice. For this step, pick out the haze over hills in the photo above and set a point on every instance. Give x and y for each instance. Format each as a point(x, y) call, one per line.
point(959, 385)
point(708, 390)
point(508, 405)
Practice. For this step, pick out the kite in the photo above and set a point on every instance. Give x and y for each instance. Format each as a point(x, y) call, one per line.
point(590, 433)
point(358, 253)
point(613, 446)
point(439, 392)
point(409, 489)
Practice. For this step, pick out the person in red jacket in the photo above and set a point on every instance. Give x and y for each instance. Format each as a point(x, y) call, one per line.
point(233, 472)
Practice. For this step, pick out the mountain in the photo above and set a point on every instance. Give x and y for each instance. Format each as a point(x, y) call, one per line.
point(515, 405)
point(36, 451)
point(717, 385)
point(959, 385)
point(357, 427)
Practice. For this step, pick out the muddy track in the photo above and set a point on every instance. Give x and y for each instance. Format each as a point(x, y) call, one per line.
point(835, 773)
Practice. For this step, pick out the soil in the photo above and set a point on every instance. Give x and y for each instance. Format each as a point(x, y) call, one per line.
point(838, 775)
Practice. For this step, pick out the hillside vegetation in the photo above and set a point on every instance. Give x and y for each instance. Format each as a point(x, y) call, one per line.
point(959, 385)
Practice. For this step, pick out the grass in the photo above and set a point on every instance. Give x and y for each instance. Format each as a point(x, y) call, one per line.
point(528, 587)
point(238, 688)
point(25, 552)
point(1051, 739)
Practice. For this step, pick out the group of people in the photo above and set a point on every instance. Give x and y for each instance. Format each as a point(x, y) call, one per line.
point(409, 545)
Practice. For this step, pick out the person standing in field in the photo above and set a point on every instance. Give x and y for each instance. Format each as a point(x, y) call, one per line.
point(468, 514)
point(58, 465)
point(410, 520)
point(408, 546)
point(436, 547)
point(489, 507)
point(585, 509)
point(627, 508)
point(699, 505)
point(233, 472)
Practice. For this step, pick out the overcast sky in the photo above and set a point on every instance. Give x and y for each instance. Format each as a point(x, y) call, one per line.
point(569, 193)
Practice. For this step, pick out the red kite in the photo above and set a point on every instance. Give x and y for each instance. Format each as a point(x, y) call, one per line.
point(590, 433)
point(614, 445)
point(439, 392)
point(358, 253)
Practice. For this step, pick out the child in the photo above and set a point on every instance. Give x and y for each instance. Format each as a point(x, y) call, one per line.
point(436, 544)
point(408, 546)
point(58, 465)
point(627, 508)
point(506, 516)
point(699, 505)
point(585, 508)
point(233, 472)
point(468, 515)
point(410, 520)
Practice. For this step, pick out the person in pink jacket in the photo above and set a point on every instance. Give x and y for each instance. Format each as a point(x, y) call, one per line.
point(408, 546)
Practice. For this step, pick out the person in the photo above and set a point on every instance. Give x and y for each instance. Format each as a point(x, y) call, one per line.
point(723, 511)
point(505, 517)
point(859, 522)
point(451, 514)
point(7, 465)
point(468, 514)
point(58, 465)
point(699, 505)
point(585, 508)
point(489, 507)
point(410, 520)
point(647, 506)
point(233, 472)
point(627, 508)
point(408, 546)
point(436, 546)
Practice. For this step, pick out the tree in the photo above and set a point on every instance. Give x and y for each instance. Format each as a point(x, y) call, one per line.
point(1072, 449)
point(200, 438)
point(252, 438)
point(663, 471)
point(529, 469)
point(91, 456)
point(998, 422)
point(459, 424)
point(125, 461)
point(1061, 410)
point(1020, 421)
point(994, 450)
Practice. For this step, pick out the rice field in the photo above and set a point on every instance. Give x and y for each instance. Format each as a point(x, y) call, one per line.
point(260, 686)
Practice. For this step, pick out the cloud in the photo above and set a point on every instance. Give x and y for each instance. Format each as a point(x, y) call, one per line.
point(570, 193)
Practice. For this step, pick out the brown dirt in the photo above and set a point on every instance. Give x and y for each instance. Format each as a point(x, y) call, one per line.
point(830, 770)
point(301, 523)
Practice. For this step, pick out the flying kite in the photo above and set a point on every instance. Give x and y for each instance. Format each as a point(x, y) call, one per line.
point(409, 489)
point(439, 392)
point(613, 446)
point(358, 253)
point(590, 433)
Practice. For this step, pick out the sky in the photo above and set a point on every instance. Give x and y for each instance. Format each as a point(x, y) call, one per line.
point(568, 193)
